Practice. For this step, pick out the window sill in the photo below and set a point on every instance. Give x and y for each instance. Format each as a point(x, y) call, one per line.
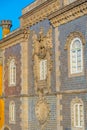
point(76, 74)
point(12, 122)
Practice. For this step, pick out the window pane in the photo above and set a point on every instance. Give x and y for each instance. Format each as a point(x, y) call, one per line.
point(78, 115)
point(43, 69)
point(76, 56)
point(12, 72)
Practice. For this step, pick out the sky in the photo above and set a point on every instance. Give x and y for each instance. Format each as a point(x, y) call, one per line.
point(12, 10)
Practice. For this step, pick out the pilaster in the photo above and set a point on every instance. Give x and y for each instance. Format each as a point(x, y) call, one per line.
point(58, 83)
point(24, 68)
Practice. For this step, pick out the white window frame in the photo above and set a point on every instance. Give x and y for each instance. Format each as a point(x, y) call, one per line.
point(12, 73)
point(71, 66)
point(43, 69)
point(12, 112)
point(79, 115)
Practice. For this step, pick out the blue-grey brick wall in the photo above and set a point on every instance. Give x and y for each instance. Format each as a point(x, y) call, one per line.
point(13, 51)
point(33, 122)
point(66, 109)
point(17, 124)
point(72, 83)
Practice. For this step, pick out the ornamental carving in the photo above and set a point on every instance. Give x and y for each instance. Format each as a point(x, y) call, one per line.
point(42, 13)
point(69, 13)
point(26, 33)
point(42, 50)
point(42, 112)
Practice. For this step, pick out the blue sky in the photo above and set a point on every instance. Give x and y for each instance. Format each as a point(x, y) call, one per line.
point(12, 10)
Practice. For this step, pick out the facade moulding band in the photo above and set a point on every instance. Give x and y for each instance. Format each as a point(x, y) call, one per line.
point(83, 91)
point(68, 13)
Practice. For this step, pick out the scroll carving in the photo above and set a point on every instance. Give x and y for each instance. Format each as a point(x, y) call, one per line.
point(26, 33)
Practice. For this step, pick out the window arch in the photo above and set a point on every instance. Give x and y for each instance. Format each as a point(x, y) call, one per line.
point(12, 112)
point(12, 72)
point(76, 56)
point(77, 113)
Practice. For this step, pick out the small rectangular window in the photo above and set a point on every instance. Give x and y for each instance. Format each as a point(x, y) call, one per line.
point(43, 69)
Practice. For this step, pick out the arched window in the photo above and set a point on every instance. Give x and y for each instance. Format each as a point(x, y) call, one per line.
point(43, 69)
point(12, 72)
point(12, 112)
point(77, 113)
point(76, 56)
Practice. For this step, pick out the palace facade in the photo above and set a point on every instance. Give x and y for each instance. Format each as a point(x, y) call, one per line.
point(43, 68)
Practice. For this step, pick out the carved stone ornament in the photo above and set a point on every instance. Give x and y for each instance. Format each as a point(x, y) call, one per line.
point(69, 13)
point(26, 33)
point(42, 50)
point(42, 111)
point(11, 58)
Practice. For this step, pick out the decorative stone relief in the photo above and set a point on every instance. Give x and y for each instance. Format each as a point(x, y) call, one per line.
point(42, 50)
point(10, 58)
point(42, 112)
point(26, 33)
point(69, 13)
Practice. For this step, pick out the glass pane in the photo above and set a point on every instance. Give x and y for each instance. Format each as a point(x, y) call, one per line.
point(43, 69)
point(81, 115)
point(76, 56)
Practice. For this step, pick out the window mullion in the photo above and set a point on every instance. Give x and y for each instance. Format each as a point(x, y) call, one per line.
point(76, 62)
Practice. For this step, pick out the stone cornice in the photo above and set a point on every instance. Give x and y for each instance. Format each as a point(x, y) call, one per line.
point(10, 36)
point(77, 91)
point(17, 36)
point(32, 6)
point(69, 13)
point(39, 13)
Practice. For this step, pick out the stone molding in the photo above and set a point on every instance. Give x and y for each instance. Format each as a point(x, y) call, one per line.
point(69, 13)
point(39, 13)
point(32, 6)
point(72, 36)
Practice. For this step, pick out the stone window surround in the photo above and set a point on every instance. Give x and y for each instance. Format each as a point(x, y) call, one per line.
point(12, 112)
point(11, 65)
point(76, 56)
point(69, 40)
point(75, 101)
